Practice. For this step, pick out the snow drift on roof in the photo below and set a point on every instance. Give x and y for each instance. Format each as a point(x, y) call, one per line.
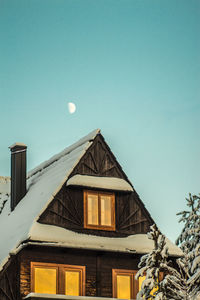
point(137, 243)
point(4, 185)
point(109, 183)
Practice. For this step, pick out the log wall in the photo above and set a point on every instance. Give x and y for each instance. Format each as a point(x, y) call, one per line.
point(98, 264)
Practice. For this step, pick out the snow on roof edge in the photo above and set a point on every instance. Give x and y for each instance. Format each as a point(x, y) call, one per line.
point(136, 243)
point(64, 297)
point(111, 183)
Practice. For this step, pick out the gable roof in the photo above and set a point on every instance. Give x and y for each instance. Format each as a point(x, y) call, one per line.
point(43, 183)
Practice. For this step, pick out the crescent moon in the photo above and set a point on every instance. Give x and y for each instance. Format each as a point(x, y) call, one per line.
point(71, 107)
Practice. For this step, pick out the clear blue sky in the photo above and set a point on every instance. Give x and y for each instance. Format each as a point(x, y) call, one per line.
point(133, 69)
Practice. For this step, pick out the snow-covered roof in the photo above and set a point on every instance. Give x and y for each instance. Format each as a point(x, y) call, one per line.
point(107, 183)
point(57, 236)
point(43, 183)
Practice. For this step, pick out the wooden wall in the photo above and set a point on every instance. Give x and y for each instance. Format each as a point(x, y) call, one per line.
point(66, 211)
point(99, 266)
point(9, 281)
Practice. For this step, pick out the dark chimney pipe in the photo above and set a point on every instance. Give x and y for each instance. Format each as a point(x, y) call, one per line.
point(18, 173)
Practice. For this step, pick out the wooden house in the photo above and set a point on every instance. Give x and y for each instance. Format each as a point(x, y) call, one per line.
point(72, 227)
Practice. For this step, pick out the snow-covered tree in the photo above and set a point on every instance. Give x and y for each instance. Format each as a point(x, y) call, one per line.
point(173, 286)
point(151, 267)
point(189, 242)
point(182, 282)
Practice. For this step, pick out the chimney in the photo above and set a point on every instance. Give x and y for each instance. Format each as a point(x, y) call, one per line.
point(18, 173)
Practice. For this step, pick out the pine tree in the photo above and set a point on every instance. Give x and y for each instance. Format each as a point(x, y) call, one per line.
point(182, 282)
point(189, 242)
point(151, 267)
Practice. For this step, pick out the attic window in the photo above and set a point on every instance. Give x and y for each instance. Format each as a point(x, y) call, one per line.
point(51, 278)
point(99, 210)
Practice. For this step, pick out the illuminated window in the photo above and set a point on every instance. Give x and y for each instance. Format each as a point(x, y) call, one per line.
point(99, 210)
point(142, 278)
point(124, 285)
point(45, 280)
point(57, 279)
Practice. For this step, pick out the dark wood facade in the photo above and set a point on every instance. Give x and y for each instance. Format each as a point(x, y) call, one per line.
point(66, 211)
point(98, 264)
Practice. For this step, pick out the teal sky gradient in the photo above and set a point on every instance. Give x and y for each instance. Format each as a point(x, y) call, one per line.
point(133, 69)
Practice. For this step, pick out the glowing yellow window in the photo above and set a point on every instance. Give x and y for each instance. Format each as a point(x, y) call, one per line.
point(106, 210)
point(92, 209)
point(72, 282)
point(123, 284)
point(141, 279)
point(45, 280)
point(99, 210)
point(51, 278)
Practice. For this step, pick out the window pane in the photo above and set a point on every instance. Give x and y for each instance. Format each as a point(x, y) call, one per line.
point(106, 206)
point(45, 280)
point(92, 206)
point(72, 280)
point(123, 286)
point(141, 279)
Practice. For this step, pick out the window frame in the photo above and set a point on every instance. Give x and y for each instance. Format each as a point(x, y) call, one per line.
point(60, 275)
point(134, 283)
point(99, 226)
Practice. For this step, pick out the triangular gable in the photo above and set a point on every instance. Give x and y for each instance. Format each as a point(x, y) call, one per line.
point(66, 210)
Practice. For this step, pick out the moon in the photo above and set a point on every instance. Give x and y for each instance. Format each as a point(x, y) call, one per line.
point(71, 107)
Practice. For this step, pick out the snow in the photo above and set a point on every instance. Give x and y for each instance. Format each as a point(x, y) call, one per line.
point(138, 243)
point(109, 183)
point(17, 144)
point(51, 296)
point(4, 191)
point(43, 183)
point(4, 185)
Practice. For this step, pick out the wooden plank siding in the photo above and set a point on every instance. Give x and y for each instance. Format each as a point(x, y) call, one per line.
point(98, 264)
point(99, 161)
point(9, 281)
point(66, 210)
